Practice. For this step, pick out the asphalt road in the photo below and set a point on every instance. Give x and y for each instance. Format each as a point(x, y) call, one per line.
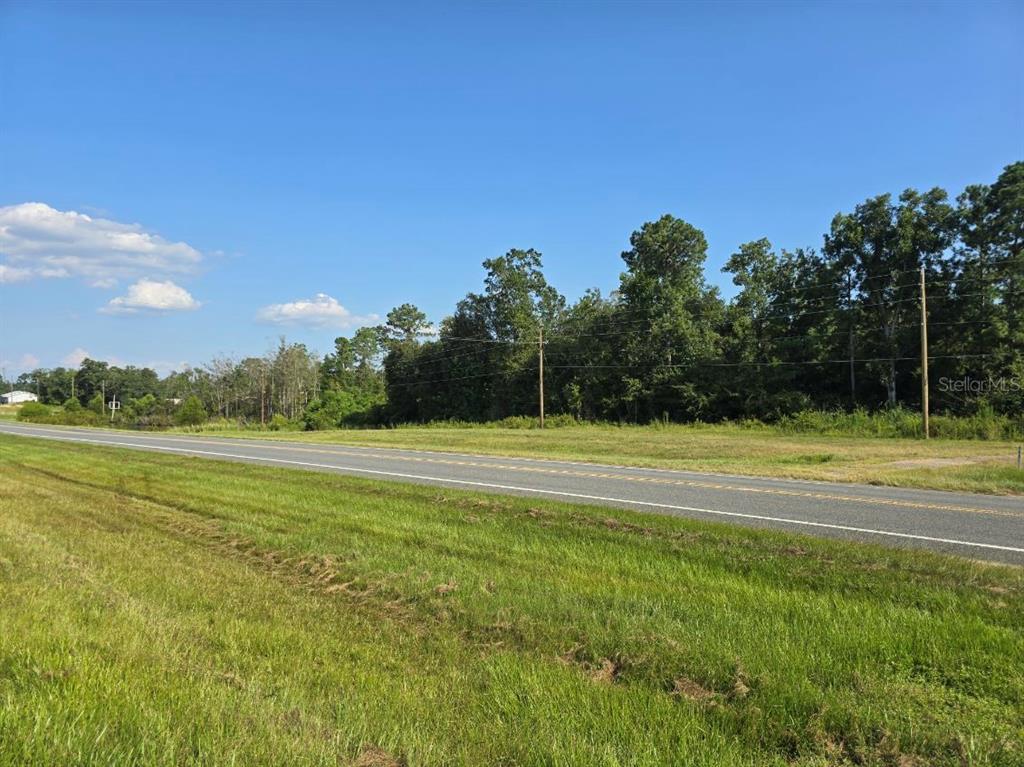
point(967, 524)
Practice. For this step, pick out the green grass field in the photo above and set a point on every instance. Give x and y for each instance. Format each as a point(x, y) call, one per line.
point(940, 464)
point(167, 610)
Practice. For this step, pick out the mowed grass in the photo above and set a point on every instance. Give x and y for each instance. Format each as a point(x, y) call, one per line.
point(166, 610)
point(964, 465)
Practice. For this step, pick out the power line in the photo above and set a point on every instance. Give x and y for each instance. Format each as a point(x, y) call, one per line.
point(890, 275)
point(682, 366)
point(488, 374)
point(715, 363)
point(622, 331)
point(792, 314)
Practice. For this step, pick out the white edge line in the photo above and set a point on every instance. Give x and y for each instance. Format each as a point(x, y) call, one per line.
point(275, 441)
point(777, 482)
point(560, 493)
point(685, 474)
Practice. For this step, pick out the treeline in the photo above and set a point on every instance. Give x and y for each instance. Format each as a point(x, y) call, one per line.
point(277, 389)
point(830, 329)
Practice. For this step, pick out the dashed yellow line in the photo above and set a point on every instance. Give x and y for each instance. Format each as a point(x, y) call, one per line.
point(704, 485)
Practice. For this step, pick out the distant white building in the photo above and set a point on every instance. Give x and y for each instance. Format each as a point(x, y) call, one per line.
point(17, 397)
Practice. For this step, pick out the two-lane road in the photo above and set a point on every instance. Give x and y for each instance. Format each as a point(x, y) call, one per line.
point(977, 526)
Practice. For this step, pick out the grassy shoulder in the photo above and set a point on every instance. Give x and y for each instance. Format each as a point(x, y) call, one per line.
point(941, 464)
point(168, 610)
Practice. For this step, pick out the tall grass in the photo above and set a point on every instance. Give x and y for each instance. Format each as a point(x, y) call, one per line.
point(167, 610)
point(900, 422)
point(888, 423)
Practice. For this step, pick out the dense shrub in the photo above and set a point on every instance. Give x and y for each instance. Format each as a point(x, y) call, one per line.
point(68, 416)
point(96, 404)
point(900, 422)
point(341, 407)
point(191, 412)
point(33, 411)
point(279, 423)
point(79, 417)
point(154, 422)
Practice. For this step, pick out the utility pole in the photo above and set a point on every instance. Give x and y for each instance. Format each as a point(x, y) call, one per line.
point(849, 308)
point(924, 358)
point(540, 345)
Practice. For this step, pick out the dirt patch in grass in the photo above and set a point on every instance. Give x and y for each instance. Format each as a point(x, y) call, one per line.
point(373, 756)
point(684, 687)
point(445, 588)
point(606, 672)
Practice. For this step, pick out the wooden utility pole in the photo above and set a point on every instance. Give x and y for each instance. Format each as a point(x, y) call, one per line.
point(924, 358)
point(541, 375)
point(849, 309)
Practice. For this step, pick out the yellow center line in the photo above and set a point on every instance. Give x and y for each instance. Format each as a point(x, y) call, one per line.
point(652, 480)
point(704, 485)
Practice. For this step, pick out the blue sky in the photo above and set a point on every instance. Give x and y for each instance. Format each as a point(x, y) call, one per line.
point(204, 172)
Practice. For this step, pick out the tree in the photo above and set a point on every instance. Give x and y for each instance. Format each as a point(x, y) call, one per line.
point(294, 376)
point(224, 375)
point(483, 363)
point(517, 303)
point(673, 315)
point(91, 379)
point(255, 375)
point(191, 413)
point(336, 408)
point(405, 323)
point(587, 332)
point(882, 245)
point(836, 328)
point(988, 295)
point(355, 364)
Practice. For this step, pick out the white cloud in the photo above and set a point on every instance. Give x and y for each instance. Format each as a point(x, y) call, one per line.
point(74, 357)
point(163, 367)
point(13, 274)
point(39, 241)
point(25, 363)
point(152, 295)
point(321, 311)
